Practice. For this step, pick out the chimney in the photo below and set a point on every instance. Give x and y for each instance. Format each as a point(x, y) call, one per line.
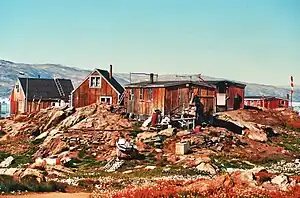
point(151, 78)
point(110, 72)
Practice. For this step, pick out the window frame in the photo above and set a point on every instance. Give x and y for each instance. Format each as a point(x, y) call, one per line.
point(91, 81)
point(131, 94)
point(141, 94)
point(150, 93)
point(105, 99)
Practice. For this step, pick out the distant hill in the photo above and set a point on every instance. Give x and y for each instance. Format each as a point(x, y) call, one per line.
point(9, 71)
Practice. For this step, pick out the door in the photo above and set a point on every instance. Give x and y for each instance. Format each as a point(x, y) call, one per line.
point(106, 99)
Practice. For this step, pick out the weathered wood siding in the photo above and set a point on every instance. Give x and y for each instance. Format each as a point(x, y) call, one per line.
point(232, 91)
point(148, 103)
point(17, 98)
point(269, 104)
point(178, 98)
point(85, 95)
point(168, 100)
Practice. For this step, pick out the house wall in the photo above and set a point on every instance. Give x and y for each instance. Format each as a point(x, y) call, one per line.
point(178, 98)
point(168, 100)
point(232, 91)
point(269, 104)
point(148, 104)
point(85, 95)
point(17, 100)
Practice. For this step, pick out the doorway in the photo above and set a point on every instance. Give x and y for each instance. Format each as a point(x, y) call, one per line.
point(237, 102)
point(106, 99)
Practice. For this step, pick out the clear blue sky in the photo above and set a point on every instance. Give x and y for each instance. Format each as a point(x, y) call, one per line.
point(247, 40)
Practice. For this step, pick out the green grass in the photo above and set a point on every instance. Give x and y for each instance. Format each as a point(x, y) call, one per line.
point(29, 183)
point(223, 163)
point(141, 173)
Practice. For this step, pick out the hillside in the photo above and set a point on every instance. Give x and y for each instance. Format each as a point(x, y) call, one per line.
point(9, 71)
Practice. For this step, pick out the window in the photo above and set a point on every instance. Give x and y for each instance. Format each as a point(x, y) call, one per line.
point(131, 94)
point(106, 99)
point(17, 88)
point(141, 94)
point(95, 81)
point(150, 94)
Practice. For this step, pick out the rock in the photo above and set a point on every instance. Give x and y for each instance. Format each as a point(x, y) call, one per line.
point(146, 135)
point(35, 131)
point(55, 119)
point(128, 171)
point(208, 168)
point(70, 111)
point(150, 167)
point(7, 162)
point(158, 150)
point(8, 171)
point(34, 172)
point(244, 178)
point(257, 135)
point(280, 180)
point(42, 135)
point(167, 132)
point(183, 133)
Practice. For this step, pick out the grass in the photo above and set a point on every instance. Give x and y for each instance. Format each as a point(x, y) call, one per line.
point(20, 158)
point(29, 183)
point(223, 163)
point(141, 173)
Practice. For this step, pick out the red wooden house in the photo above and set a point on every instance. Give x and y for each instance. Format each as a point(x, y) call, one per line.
point(40, 93)
point(98, 86)
point(230, 95)
point(169, 97)
point(269, 102)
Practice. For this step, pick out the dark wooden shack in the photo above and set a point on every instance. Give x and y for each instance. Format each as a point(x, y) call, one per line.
point(230, 95)
point(98, 86)
point(169, 97)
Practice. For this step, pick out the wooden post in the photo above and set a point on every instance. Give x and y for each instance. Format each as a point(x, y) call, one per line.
point(292, 99)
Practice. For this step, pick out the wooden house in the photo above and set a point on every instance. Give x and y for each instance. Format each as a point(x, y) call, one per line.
point(33, 94)
point(98, 86)
point(269, 102)
point(167, 96)
point(230, 95)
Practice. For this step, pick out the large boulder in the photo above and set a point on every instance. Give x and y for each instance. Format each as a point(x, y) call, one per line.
point(167, 132)
point(259, 136)
point(206, 167)
point(280, 180)
point(55, 119)
point(34, 172)
point(146, 135)
point(7, 162)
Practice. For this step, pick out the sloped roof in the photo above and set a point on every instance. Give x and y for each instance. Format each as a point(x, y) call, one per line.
point(168, 84)
point(46, 89)
point(225, 82)
point(264, 97)
point(111, 81)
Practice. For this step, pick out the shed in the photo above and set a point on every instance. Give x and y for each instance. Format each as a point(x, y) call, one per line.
point(230, 95)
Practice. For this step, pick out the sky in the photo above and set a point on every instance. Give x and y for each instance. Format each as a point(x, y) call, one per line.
point(250, 40)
